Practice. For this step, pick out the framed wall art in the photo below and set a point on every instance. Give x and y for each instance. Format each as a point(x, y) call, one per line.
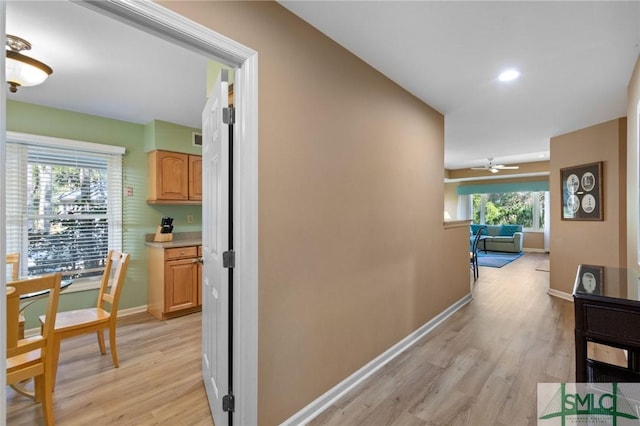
point(591, 279)
point(582, 192)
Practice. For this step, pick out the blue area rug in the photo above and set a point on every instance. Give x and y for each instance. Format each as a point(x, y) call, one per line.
point(496, 259)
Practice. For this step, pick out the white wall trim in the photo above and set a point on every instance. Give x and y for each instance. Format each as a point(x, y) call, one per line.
point(560, 294)
point(64, 143)
point(325, 400)
point(132, 311)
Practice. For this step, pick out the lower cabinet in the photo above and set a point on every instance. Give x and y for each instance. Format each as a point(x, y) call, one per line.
point(174, 286)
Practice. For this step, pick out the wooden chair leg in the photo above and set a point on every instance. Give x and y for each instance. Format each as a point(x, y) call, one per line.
point(103, 349)
point(21, 321)
point(55, 356)
point(112, 345)
point(47, 410)
point(38, 388)
point(47, 399)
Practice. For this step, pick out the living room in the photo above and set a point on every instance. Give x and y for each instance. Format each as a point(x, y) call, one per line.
point(519, 196)
point(606, 143)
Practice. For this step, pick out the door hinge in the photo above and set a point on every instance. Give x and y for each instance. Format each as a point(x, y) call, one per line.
point(228, 403)
point(229, 259)
point(229, 115)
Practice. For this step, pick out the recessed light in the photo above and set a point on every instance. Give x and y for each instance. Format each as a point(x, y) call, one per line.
point(509, 75)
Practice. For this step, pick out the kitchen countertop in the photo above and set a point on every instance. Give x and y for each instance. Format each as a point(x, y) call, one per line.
point(180, 239)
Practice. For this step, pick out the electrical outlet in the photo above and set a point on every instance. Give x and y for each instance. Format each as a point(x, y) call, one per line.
point(189, 218)
point(128, 191)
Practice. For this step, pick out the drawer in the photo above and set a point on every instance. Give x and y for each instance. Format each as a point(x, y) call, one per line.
point(614, 323)
point(180, 253)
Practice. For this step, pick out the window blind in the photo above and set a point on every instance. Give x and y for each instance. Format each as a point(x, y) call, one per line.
point(63, 206)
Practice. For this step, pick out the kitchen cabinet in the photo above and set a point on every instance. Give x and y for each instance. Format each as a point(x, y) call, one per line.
point(200, 276)
point(174, 285)
point(195, 177)
point(174, 178)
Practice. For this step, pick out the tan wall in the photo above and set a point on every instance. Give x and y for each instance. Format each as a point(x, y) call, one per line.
point(533, 240)
point(633, 139)
point(351, 242)
point(451, 200)
point(593, 242)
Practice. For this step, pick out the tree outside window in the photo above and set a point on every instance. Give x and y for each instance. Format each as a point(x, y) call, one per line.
point(63, 205)
point(67, 219)
point(520, 208)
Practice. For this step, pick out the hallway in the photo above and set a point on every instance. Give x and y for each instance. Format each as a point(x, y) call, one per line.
point(481, 367)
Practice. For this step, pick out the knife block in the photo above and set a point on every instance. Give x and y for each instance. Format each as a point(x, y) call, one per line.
point(162, 238)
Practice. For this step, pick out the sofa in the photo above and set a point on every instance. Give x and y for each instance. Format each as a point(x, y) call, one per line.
point(499, 237)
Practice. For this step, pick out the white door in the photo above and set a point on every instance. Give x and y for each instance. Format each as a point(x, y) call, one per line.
point(215, 240)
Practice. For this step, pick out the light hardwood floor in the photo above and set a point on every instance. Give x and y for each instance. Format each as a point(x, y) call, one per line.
point(481, 366)
point(478, 368)
point(158, 382)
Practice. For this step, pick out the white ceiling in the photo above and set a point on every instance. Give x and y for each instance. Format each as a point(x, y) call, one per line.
point(576, 59)
point(106, 68)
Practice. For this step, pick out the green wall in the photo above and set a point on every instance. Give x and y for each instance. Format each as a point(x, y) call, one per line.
point(170, 137)
point(139, 218)
point(213, 69)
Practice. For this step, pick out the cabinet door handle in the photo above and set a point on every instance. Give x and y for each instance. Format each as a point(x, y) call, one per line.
point(198, 260)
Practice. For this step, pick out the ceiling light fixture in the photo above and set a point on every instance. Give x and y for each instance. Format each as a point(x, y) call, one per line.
point(22, 70)
point(509, 75)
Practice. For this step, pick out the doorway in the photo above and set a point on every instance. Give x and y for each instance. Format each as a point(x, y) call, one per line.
point(160, 22)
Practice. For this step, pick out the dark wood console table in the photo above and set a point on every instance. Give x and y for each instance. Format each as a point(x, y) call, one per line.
point(607, 311)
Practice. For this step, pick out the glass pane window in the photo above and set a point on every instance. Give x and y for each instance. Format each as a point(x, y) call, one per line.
point(478, 212)
point(521, 208)
point(64, 208)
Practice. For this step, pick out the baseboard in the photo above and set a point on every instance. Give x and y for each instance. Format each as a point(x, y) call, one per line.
point(132, 311)
point(560, 294)
point(121, 313)
point(535, 250)
point(325, 400)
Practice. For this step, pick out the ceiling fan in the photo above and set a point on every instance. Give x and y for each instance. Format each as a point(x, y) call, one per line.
point(495, 168)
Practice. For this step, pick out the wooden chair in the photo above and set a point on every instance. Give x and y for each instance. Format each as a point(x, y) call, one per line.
point(13, 260)
point(33, 357)
point(473, 253)
point(82, 321)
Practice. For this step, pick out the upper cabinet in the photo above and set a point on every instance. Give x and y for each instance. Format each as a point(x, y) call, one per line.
point(195, 177)
point(174, 178)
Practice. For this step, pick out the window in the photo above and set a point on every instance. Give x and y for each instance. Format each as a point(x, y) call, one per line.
point(64, 204)
point(521, 208)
